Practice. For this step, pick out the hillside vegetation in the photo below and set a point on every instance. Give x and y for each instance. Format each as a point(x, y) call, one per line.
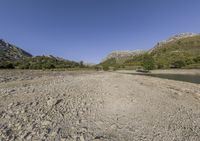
point(40, 62)
point(178, 53)
point(14, 57)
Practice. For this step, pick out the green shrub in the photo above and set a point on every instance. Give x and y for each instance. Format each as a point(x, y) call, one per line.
point(148, 62)
point(48, 66)
point(23, 66)
point(98, 68)
point(178, 64)
point(7, 65)
point(44, 62)
point(197, 59)
point(105, 68)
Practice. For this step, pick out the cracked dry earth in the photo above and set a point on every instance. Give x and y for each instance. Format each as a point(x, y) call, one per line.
point(96, 106)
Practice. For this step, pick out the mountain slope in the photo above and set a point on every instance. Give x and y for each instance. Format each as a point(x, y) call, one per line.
point(9, 52)
point(181, 50)
point(45, 62)
point(14, 57)
point(185, 50)
point(173, 39)
point(118, 58)
point(123, 54)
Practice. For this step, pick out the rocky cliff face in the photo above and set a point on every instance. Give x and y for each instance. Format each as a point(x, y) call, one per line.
point(11, 52)
point(123, 54)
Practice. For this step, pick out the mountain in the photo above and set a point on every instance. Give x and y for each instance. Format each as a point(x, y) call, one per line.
point(118, 58)
point(15, 57)
point(179, 51)
point(182, 48)
point(45, 62)
point(123, 54)
point(173, 39)
point(9, 52)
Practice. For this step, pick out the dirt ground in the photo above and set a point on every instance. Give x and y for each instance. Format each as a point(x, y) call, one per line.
point(96, 106)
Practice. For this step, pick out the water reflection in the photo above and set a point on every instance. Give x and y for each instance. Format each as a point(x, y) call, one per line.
point(178, 77)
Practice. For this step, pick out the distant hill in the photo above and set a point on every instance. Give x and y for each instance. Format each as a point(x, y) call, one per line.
point(179, 51)
point(118, 58)
point(123, 54)
point(9, 52)
point(15, 57)
point(45, 62)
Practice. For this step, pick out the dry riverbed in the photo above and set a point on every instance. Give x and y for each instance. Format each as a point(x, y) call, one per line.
point(96, 106)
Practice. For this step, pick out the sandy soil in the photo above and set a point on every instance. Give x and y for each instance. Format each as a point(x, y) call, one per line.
point(96, 106)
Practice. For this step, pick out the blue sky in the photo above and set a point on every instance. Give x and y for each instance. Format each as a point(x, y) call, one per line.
point(90, 29)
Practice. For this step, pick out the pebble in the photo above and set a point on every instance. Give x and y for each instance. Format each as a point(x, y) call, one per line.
point(50, 102)
point(46, 123)
point(82, 138)
point(10, 105)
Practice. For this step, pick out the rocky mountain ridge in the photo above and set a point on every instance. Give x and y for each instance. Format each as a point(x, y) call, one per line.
point(132, 53)
point(174, 38)
point(181, 50)
point(123, 54)
point(14, 57)
point(9, 52)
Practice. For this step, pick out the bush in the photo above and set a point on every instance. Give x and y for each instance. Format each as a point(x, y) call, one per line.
point(105, 68)
point(6, 65)
point(192, 66)
point(35, 66)
point(43, 62)
point(148, 62)
point(48, 66)
point(189, 61)
point(178, 64)
point(197, 59)
point(23, 66)
point(98, 68)
point(81, 64)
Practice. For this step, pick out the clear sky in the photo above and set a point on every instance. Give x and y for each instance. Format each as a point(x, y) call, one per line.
point(90, 29)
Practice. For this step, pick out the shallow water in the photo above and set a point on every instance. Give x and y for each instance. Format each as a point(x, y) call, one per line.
point(178, 77)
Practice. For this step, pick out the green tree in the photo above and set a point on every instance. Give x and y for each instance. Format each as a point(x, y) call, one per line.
point(178, 64)
point(105, 68)
point(197, 59)
point(148, 62)
point(81, 64)
point(7, 65)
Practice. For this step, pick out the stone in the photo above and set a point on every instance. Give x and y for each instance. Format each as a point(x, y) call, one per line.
point(46, 123)
point(82, 138)
point(50, 102)
point(10, 105)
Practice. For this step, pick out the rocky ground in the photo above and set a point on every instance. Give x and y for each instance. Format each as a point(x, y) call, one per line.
point(96, 106)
